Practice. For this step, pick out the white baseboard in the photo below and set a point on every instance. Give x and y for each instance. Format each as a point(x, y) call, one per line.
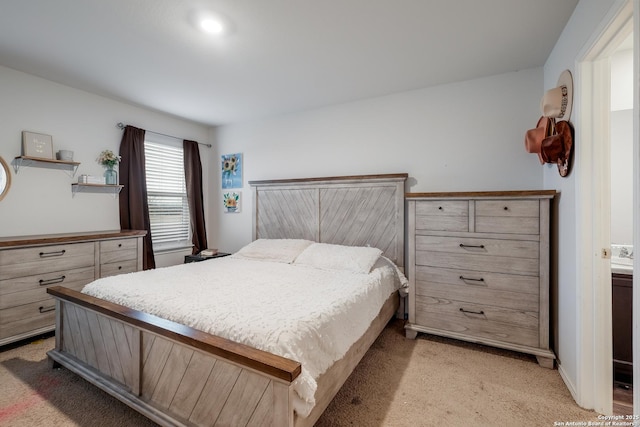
point(569, 384)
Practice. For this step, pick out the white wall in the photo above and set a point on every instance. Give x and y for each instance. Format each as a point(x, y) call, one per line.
point(457, 137)
point(40, 200)
point(622, 147)
point(622, 177)
point(622, 80)
point(581, 27)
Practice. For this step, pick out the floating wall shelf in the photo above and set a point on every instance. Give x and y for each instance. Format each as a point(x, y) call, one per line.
point(96, 188)
point(69, 167)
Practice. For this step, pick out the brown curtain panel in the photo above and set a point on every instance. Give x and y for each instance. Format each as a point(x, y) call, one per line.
point(193, 178)
point(134, 207)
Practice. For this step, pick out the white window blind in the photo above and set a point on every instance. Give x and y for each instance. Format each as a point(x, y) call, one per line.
point(167, 196)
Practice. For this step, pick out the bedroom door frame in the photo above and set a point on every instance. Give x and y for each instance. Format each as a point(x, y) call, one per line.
point(593, 189)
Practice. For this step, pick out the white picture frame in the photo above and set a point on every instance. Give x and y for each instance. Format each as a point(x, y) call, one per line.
point(232, 201)
point(37, 145)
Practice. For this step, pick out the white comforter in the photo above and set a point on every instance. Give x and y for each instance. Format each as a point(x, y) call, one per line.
point(309, 315)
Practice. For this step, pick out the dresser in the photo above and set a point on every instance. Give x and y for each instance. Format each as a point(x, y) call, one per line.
point(478, 268)
point(30, 264)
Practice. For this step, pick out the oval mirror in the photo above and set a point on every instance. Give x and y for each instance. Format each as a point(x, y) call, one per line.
point(5, 178)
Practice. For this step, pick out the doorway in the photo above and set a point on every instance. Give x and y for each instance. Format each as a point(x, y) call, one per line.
point(595, 388)
point(622, 249)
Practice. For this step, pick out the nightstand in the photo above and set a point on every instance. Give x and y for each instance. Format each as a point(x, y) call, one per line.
point(198, 258)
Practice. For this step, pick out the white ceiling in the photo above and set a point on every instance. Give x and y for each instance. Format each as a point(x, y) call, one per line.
point(282, 56)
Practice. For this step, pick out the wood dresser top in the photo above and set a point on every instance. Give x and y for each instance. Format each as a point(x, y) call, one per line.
point(521, 193)
point(51, 239)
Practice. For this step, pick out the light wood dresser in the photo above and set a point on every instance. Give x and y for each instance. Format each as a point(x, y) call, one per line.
point(478, 268)
point(29, 264)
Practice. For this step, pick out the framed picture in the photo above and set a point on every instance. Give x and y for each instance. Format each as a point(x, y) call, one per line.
point(37, 145)
point(231, 168)
point(231, 201)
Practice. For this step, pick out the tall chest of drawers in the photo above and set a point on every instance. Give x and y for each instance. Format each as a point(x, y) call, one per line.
point(30, 264)
point(478, 267)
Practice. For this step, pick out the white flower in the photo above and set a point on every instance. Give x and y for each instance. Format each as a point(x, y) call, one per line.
point(108, 158)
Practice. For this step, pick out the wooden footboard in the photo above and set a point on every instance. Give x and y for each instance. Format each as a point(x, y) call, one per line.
point(179, 376)
point(173, 374)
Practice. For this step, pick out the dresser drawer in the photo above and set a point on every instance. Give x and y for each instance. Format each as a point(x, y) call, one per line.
point(24, 290)
point(515, 301)
point(478, 321)
point(492, 255)
point(118, 245)
point(442, 215)
point(483, 279)
point(112, 269)
point(479, 246)
point(58, 253)
point(118, 256)
point(442, 208)
point(53, 259)
point(507, 216)
point(118, 251)
point(28, 317)
point(473, 262)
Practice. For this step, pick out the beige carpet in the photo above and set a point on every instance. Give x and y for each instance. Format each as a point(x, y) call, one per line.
point(427, 382)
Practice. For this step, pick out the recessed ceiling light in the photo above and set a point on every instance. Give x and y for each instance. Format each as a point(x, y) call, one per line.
point(212, 25)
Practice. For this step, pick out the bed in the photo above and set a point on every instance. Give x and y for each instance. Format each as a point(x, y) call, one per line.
point(182, 375)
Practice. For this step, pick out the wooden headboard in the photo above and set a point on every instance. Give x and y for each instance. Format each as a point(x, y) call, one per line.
point(351, 210)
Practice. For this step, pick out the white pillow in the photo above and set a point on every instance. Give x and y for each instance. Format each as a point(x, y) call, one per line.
point(274, 250)
point(355, 259)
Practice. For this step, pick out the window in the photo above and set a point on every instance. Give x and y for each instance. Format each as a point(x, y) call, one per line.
point(167, 195)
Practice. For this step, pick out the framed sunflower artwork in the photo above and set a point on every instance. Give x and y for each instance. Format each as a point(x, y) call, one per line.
point(231, 200)
point(231, 167)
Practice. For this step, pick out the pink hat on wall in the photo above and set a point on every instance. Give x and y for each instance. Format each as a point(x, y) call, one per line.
point(534, 137)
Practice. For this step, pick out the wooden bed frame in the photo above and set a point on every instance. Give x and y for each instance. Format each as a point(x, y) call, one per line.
point(179, 376)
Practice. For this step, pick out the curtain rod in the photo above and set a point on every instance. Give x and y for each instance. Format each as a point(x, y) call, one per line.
point(122, 126)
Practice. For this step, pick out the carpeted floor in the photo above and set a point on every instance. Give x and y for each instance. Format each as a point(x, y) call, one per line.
point(430, 381)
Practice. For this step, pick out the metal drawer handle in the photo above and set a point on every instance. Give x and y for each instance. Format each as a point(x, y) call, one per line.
point(440, 207)
point(50, 254)
point(462, 245)
point(45, 309)
point(481, 312)
point(119, 245)
point(471, 279)
point(52, 281)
